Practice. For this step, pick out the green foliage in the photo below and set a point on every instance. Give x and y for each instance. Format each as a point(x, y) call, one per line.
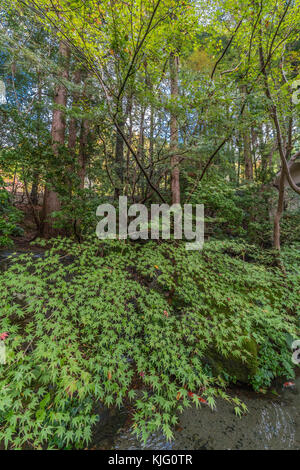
point(78, 213)
point(244, 212)
point(290, 227)
point(9, 218)
point(114, 322)
point(220, 200)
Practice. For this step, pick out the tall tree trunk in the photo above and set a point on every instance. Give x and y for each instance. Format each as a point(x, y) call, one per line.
point(51, 198)
point(174, 131)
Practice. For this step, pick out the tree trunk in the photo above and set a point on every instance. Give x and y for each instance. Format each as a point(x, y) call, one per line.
point(35, 180)
point(34, 189)
point(141, 151)
point(151, 138)
point(279, 212)
point(119, 155)
point(51, 198)
point(130, 134)
point(73, 124)
point(174, 131)
point(83, 151)
point(119, 149)
point(247, 145)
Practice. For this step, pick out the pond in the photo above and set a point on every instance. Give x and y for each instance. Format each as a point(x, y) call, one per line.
point(272, 423)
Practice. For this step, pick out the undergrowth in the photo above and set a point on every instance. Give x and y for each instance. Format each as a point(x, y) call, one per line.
point(88, 322)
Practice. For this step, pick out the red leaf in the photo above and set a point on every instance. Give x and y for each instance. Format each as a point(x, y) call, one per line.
point(202, 400)
point(289, 384)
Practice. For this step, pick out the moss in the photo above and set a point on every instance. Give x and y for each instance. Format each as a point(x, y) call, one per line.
point(233, 366)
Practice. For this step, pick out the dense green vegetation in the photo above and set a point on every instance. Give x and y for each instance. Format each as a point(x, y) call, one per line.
point(160, 101)
point(85, 329)
point(9, 217)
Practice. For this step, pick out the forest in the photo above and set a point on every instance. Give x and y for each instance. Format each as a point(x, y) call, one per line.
point(162, 102)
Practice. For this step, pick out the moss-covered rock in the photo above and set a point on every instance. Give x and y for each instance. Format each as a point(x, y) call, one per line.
point(232, 365)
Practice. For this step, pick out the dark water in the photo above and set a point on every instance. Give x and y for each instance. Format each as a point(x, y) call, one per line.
point(272, 422)
point(6, 254)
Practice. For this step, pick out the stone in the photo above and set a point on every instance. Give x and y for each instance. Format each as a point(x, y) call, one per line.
point(234, 366)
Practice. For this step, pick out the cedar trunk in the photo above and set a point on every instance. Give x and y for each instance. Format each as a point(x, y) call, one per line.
point(51, 198)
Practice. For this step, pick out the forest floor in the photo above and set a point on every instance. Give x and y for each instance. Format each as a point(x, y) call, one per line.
point(234, 279)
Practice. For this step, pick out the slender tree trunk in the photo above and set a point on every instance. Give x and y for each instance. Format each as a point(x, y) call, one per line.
point(151, 130)
point(151, 138)
point(51, 198)
point(247, 157)
point(34, 189)
point(253, 147)
point(73, 130)
point(73, 124)
point(264, 153)
point(119, 151)
point(279, 212)
point(239, 159)
point(247, 146)
point(174, 131)
point(119, 156)
point(83, 151)
point(130, 134)
point(141, 152)
point(35, 180)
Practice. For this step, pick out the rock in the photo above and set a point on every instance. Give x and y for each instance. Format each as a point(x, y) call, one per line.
point(233, 366)
point(104, 414)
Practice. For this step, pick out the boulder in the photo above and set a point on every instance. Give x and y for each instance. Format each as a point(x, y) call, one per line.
point(233, 366)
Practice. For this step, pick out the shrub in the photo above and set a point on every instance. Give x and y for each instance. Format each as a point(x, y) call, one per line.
point(9, 218)
point(244, 212)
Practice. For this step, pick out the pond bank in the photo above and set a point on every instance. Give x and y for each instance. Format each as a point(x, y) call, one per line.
point(272, 423)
